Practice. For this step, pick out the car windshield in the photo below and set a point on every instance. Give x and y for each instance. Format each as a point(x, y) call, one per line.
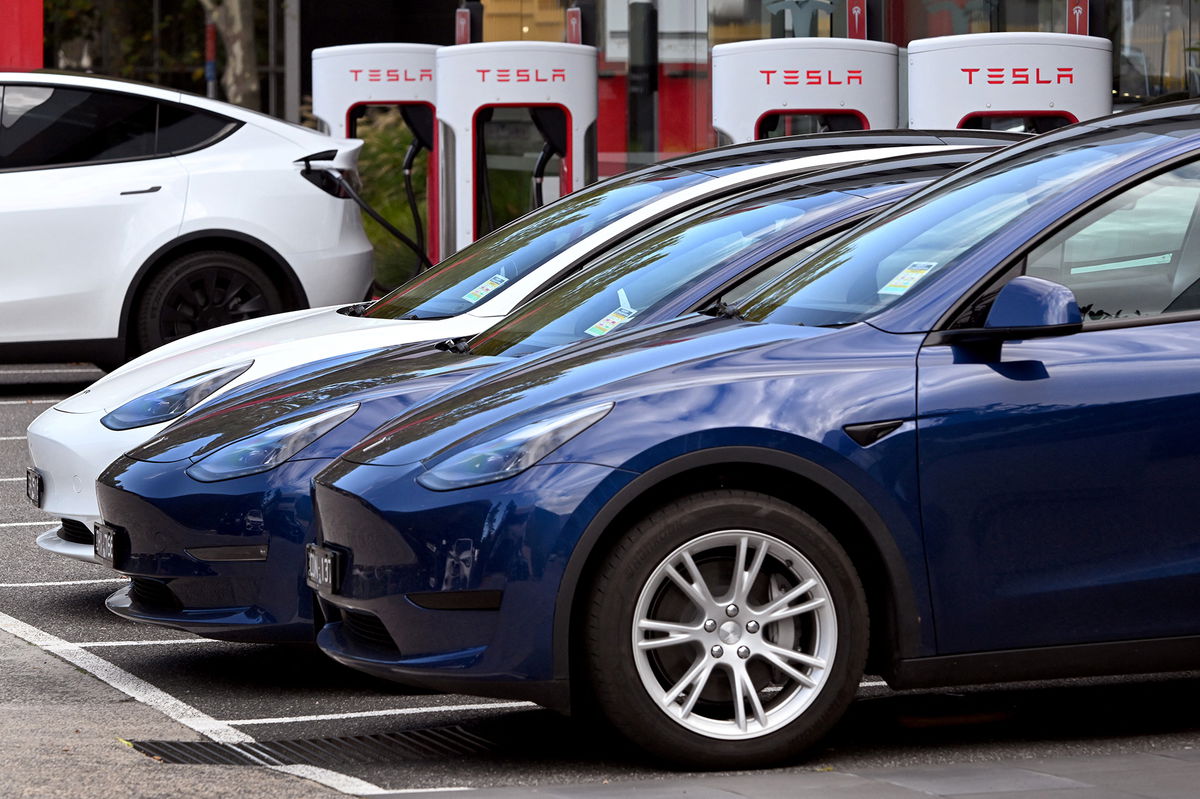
point(651, 268)
point(857, 276)
point(484, 269)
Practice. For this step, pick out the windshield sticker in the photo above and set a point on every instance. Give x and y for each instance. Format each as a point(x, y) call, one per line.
point(615, 318)
point(908, 277)
point(485, 288)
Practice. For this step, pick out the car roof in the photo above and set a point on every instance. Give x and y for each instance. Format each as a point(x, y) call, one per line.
point(81, 80)
point(107, 83)
point(740, 156)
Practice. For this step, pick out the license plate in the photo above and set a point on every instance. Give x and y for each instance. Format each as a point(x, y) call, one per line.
point(104, 543)
point(322, 569)
point(33, 486)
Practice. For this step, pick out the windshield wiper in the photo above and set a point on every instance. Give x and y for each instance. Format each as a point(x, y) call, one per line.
point(459, 346)
point(357, 309)
point(723, 310)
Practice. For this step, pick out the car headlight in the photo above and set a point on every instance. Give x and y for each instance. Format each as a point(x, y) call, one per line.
point(171, 401)
point(266, 450)
point(511, 453)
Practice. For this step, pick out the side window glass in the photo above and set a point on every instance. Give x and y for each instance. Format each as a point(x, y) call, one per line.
point(1137, 255)
point(752, 284)
point(181, 129)
point(53, 126)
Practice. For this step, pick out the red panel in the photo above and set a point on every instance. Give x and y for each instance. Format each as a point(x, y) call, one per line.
point(21, 34)
point(1077, 17)
point(684, 109)
point(611, 124)
point(856, 19)
point(462, 26)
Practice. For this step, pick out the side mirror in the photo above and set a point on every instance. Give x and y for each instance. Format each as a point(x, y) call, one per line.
point(1027, 307)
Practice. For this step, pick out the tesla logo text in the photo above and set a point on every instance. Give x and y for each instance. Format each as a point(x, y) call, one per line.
point(392, 75)
point(1018, 76)
point(813, 77)
point(555, 75)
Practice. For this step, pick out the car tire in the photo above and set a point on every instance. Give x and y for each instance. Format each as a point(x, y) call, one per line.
point(729, 635)
point(200, 291)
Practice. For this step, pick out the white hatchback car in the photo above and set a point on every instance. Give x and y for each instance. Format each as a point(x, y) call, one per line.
point(72, 442)
point(133, 215)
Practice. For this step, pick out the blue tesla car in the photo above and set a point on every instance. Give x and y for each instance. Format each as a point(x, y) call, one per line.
point(210, 519)
point(956, 445)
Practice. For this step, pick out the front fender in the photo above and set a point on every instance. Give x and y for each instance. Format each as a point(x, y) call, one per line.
point(895, 538)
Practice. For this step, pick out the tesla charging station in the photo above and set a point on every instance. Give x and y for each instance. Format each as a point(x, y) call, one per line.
point(1038, 81)
point(348, 78)
point(506, 111)
point(777, 87)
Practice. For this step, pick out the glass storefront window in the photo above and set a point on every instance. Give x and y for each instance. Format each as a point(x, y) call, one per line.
point(655, 101)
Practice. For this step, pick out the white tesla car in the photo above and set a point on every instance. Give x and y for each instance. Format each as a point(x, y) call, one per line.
point(133, 215)
point(72, 442)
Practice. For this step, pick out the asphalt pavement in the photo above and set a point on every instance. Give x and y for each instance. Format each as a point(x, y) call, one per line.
point(97, 706)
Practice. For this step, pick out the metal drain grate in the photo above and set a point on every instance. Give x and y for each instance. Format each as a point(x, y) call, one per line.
point(437, 743)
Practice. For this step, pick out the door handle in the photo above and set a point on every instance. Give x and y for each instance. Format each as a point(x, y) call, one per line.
point(150, 190)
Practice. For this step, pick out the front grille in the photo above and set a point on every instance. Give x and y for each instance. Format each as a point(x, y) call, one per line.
point(367, 629)
point(153, 594)
point(76, 532)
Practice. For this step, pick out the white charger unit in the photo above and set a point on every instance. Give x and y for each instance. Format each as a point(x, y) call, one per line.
point(838, 84)
point(1036, 81)
point(555, 83)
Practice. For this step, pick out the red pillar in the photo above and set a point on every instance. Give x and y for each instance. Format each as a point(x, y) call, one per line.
point(21, 34)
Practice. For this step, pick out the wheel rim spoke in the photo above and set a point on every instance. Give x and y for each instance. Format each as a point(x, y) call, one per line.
point(749, 576)
point(694, 694)
point(676, 633)
point(253, 305)
point(697, 675)
point(697, 590)
point(798, 610)
point(787, 598)
point(800, 657)
point(739, 703)
point(786, 668)
point(750, 692)
point(697, 578)
point(233, 290)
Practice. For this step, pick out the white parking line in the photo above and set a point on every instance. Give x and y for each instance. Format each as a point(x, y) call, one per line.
point(397, 711)
point(171, 707)
point(80, 371)
point(163, 642)
point(64, 582)
point(434, 790)
point(125, 682)
point(27, 524)
point(12, 479)
point(333, 779)
point(872, 684)
point(12, 438)
point(32, 401)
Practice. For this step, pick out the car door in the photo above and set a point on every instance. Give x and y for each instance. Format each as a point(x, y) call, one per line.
point(83, 198)
point(1059, 477)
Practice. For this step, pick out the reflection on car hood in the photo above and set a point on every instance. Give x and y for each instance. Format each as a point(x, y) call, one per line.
point(606, 369)
point(272, 342)
point(384, 383)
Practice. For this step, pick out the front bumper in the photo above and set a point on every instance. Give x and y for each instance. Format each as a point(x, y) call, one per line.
point(167, 526)
point(71, 450)
point(454, 590)
point(52, 541)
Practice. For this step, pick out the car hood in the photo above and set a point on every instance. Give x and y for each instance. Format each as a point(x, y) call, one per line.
point(688, 351)
point(274, 343)
point(384, 383)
